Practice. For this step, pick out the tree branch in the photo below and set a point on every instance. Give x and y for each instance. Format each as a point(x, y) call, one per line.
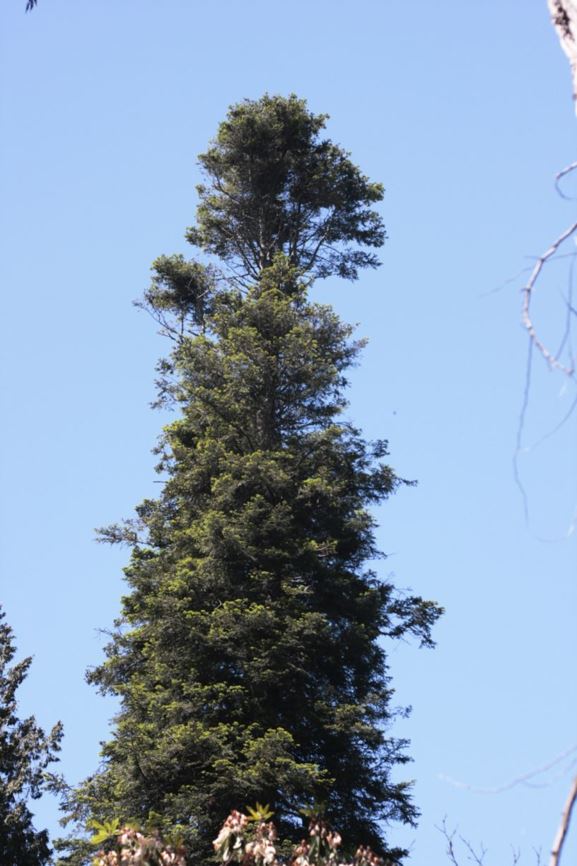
point(564, 17)
point(528, 290)
point(564, 825)
point(560, 174)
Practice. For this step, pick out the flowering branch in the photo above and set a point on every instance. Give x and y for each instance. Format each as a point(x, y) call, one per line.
point(132, 848)
point(237, 842)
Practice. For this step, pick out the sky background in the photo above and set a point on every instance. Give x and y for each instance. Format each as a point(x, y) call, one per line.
point(463, 111)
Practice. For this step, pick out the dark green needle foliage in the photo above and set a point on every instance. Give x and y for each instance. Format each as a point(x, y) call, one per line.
point(25, 754)
point(249, 658)
point(274, 185)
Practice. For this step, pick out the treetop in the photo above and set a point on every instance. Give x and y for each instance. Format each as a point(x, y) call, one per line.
point(274, 185)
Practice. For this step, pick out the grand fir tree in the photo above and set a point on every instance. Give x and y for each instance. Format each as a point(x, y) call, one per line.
point(250, 655)
point(26, 752)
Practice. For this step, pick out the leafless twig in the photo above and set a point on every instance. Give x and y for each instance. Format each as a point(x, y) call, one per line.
point(560, 174)
point(528, 291)
point(474, 856)
point(477, 857)
point(449, 840)
point(518, 780)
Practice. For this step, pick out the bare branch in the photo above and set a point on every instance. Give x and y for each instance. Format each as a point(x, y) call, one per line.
point(449, 839)
point(527, 297)
point(560, 174)
point(477, 858)
point(519, 780)
point(564, 825)
point(520, 431)
point(569, 313)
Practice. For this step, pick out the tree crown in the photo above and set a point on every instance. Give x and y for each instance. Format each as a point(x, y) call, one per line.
point(274, 185)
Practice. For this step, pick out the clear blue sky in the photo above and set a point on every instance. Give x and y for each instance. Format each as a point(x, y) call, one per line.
point(463, 110)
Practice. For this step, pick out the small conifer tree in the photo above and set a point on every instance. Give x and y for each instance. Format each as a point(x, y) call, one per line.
point(250, 655)
point(25, 754)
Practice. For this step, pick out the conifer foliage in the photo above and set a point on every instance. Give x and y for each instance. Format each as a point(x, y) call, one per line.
point(275, 186)
point(25, 754)
point(250, 656)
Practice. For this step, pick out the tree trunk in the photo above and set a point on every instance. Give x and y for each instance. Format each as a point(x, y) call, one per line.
point(564, 18)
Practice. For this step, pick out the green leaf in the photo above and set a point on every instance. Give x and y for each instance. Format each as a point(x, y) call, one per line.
point(103, 830)
point(259, 813)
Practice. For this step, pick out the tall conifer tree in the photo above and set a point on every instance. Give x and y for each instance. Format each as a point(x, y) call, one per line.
point(250, 656)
